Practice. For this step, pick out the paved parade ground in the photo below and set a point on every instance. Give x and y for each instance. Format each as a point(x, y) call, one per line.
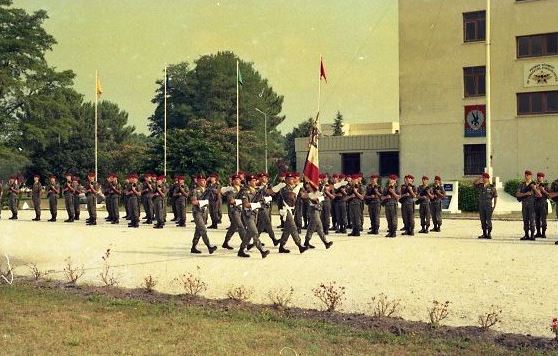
point(518, 277)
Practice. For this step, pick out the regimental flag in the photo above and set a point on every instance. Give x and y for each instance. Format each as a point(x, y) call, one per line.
point(98, 87)
point(475, 121)
point(240, 82)
point(312, 165)
point(322, 70)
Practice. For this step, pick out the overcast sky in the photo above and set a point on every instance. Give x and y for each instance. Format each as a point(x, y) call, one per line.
point(129, 41)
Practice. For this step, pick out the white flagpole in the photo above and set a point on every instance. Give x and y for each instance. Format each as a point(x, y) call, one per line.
point(319, 88)
point(165, 127)
point(488, 117)
point(96, 99)
point(237, 122)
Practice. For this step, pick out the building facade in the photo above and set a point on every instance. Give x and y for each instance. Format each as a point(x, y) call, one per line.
point(442, 87)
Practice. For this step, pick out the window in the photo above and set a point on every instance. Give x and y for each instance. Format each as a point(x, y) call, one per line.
point(474, 159)
point(350, 163)
point(389, 163)
point(537, 45)
point(540, 102)
point(474, 81)
point(474, 26)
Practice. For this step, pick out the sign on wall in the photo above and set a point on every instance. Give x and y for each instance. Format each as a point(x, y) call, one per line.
point(540, 74)
point(475, 121)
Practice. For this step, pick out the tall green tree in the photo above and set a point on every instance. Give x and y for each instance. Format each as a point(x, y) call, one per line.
point(302, 130)
point(338, 125)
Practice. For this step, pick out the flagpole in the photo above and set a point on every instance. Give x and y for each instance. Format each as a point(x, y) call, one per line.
point(96, 100)
point(237, 121)
point(488, 117)
point(165, 127)
point(319, 87)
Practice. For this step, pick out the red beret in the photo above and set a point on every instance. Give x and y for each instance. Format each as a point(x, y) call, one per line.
point(355, 176)
point(438, 178)
point(486, 175)
point(251, 177)
point(201, 176)
point(282, 174)
point(322, 176)
point(341, 175)
point(289, 175)
point(540, 174)
point(51, 176)
point(215, 175)
point(263, 174)
point(393, 176)
point(235, 176)
point(161, 178)
point(180, 177)
point(36, 175)
point(335, 175)
point(91, 174)
point(528, 173)
point(410, 177)
point(425, 178)
point(374, 176)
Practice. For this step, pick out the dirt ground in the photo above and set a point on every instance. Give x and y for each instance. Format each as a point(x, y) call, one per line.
point(518, 277)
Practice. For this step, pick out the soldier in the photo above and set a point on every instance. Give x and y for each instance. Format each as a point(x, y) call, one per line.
point(289, 194)
point(436, 203)
point(115, 192)
point(234, 201)
point(53, 191)
point(250, 206)
point(349, 221)
point(13, 196)
point(407, 200)
point(341, 207)
point(424, 196)
point(334, 202)
point(325, 215)
point(172, 198)
point(214, 199)
point(355, 196)
point(158, 196)
point(390, 196)
point(487, 194)
point(108, 200)
point(281, 179)
point(264, 215)
point(36, 192)
point(181, 194)
point(126, 197)
point(359, 181)
point(68, 193)
point(541, 205)
point(372, 198)
point(526, 195)
point(298, 212)
point(199, 206)
point(148, 192)
point(91, 190)
point(315, 199)
point(78, 191)
point(134, 194)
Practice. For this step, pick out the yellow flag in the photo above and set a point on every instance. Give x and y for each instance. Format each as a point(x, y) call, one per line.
point(99, 88)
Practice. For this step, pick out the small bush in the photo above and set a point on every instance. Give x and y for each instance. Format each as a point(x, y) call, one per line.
point(438, 312)
point(149, 283)
point(331, 295)
point(35, 272)
point(511, 186)
point(106, 276)
point(488, 320)
point(281, 298)
point(240, 293)
point(468, 196)
point(383, 307)
point(72, 273)
point(192, 284)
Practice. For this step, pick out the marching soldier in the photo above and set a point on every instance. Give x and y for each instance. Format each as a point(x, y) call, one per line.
point(541, 205)
point(53, 191)
point(91, 190)
point(487, 203)
point(78, 190)
point(234, 200)
point(134, 193)
point(298, 212)
point(250, 206)
point(281, 179)
point(407, 200)
point(180, 194)
point(68, 193)
point(199, 206)
point(13, 196)
point(355, 197)
point(325, 215)
point(436, 203)
point(373, 199)
point(315, 199)
point(390, 197)
point(290, 229)
point(115, 192)
point(526, 195)
point(158, 196)
point(424, 196)
point(214, 199)
point(264, 215)
point(36, 192)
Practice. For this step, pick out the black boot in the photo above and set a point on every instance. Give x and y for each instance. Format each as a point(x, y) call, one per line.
point(489, 234)
point(525, 236)
point(241, 253)
point(307, 244)
point(282, 249)
point(483, 236)
point(301, 248)
point(543, 235)
point(328, 244)
point(195, 250)
point(264, 253)
point(212, 249)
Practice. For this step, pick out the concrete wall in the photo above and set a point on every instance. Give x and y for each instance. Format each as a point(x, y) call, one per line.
point(432, 57)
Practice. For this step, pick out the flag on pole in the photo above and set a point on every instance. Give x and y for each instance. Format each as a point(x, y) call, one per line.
point(98, 87)
point(312, 166)
point(322, 70)
point(240, 78)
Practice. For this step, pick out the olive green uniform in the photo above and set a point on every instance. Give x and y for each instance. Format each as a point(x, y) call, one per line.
point(235, 217)
point(264, 215)
point(91, 188)
point(68, 193)
point(78, 189)
point(528, 208)
point(315, 223)
point(373, 200)
point(52, 194)
point(158, 201)
point(134, 193)
point(325, 214)
point(13, 199)
point(541, 211)
point(408, 208)
point(36, 191)
point(486, 195)
point(355, 207)
point(423, 201)
point(181, 194)
point(289, 227)
point(250, 217)
point(390, 206)
point(436, 206)
point(200, 219)
point(214, 198)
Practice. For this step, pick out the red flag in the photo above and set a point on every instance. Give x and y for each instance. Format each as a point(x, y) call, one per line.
point(312, 165)
point(322, 70)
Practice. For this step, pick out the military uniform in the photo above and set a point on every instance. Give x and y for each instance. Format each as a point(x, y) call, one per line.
point(436, 205)
point(133, 194)
point(325, 214)
point(200, 218)
point(298, 210)
point(91, 189)
point(289, 228)
point(264, 215)
point(528, 209)
point(78, 190)
point(68, 193)
point(126, 198)
point(115, 190)
point(108, 200)
point(424, 194)
point(407, 201)
point(180, 194)
point(541, 209)
point(251, 197)
point(234, 216)
point(486, 194)
point(147, 196)
point(52, 193)
point(158, 201)
point(13, 198)
point(389, 201)
point(341, 210)
point(356, 193)
point(172, 199)
point(373, 200)
point(214, 202)
point(36, 191)
point(315, 207)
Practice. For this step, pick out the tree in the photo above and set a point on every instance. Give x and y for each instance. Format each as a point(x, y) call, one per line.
point(338, 125)
point(302, 130)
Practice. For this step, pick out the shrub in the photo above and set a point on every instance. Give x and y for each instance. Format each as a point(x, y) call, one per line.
point(281, 298)
point(35, 272)
point(149, 283)
point(72, 273)
point(468, 196)
point(438, 312)
point(331, 295)
point(511, 186)
point(383, 307)
point(192, 284)
point(106, 277)
point(240, 293)
point(486, 321)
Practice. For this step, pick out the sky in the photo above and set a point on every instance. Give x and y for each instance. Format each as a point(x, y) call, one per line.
point(130, 41)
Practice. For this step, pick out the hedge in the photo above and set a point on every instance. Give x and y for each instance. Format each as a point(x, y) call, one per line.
point(511, 186)
point(468, 196)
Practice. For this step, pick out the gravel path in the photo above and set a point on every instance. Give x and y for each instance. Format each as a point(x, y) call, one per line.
point(453, 265)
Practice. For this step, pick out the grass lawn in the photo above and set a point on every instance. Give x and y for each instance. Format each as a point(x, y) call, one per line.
point(50, 321)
